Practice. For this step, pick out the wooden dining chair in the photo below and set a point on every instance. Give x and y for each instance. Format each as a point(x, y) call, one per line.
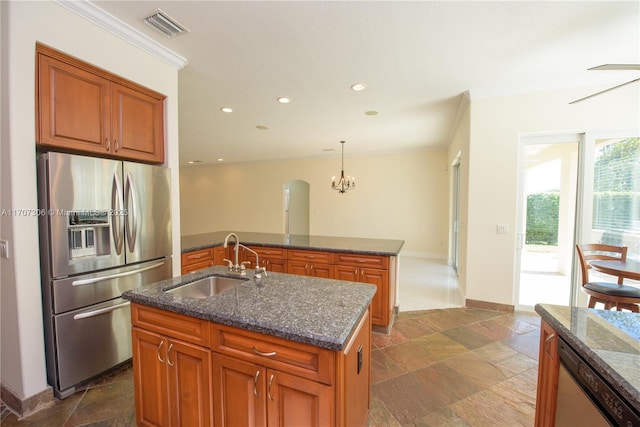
point(611, 295)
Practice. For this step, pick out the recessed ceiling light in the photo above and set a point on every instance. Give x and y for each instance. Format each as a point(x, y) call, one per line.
point(283, 100)
point(226, 109)
point(221, 159)
point(262, 127)
point(358, 86)
point(193, 162)
point(371, 113)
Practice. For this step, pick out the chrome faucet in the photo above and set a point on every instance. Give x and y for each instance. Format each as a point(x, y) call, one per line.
point(237, 266)
point(258, 269)
point(233, 266)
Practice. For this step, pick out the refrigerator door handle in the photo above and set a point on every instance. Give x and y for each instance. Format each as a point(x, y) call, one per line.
point(100, 311)
point(130, 190)
point(115, 276)
point(116, 214)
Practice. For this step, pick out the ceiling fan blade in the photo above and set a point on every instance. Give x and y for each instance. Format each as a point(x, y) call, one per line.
point(603, 91)
point(616, 67)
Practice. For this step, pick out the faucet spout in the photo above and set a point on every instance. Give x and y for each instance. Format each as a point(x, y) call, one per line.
point(236, 265)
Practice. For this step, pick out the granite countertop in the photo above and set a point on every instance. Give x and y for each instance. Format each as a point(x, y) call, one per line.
point(608, 340)
point(356, 245)
point(310, 310)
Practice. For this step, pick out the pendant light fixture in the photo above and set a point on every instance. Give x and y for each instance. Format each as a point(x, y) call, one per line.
point(343, 184)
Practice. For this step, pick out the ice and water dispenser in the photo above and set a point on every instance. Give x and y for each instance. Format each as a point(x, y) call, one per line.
point(88, 234)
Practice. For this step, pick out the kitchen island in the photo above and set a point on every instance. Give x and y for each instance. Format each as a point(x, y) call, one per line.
point(282, 349)
point(602, 349)
point(373, 261)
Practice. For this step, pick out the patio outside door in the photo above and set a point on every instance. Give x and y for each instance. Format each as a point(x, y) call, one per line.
point(547, 211)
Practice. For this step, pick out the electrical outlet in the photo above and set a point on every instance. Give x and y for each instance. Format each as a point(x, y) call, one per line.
point(502, 229)
point(4, 249)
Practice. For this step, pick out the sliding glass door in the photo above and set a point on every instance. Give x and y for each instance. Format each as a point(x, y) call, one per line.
point(574, 188)
point(547, 205)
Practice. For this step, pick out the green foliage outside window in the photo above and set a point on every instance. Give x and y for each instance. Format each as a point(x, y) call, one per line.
point(616, 192)
point(543, 210)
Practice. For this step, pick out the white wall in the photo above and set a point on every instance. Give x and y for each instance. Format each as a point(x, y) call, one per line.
point(459, 147)
point(495, 127)
point(22, 366)
point(398, 196)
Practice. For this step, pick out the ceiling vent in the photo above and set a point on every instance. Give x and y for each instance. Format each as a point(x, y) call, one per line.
point(164, 23)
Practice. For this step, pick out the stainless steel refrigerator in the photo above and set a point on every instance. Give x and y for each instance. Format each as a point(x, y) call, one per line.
point(105, 227)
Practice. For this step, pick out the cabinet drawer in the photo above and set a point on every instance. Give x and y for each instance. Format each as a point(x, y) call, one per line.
point(174, 325)
point(314, 256)
point(194, 257)
point(356, 260)
point(299, 359)
point(271, 253)
point(190, 268)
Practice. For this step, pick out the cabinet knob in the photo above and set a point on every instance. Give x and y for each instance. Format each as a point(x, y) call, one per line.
point(108, 144)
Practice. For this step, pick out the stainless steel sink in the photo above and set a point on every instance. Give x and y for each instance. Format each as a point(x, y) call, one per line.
point(207, 287)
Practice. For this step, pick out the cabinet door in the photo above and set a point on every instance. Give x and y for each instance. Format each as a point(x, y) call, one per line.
point(277, 265)
point(189, 369)
point(349, 274)
point(73, 108)
point(239, 393)
point(137, 121)
point(150, 378)
point(321, 270)
point(300, 268)
point(548, 369)
point(295, 401)
point(380, 309)
point(219, 254)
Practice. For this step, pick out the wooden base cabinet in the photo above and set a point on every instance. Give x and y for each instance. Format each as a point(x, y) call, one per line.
point(202, 258)
point(171, 368)
point(273, 259)
point(380, 278)
point(191, 372)
point(548, 371)
point(310, 263)
point(248, 394)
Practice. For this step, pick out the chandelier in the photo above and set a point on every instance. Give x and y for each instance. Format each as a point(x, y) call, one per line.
point(343, 184)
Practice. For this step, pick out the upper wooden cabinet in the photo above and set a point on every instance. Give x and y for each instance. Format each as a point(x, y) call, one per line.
point(81, 108)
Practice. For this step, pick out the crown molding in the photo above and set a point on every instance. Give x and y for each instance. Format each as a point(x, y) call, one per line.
point(106, 21)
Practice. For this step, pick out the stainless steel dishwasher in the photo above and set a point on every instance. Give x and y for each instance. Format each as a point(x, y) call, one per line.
point(585, 399)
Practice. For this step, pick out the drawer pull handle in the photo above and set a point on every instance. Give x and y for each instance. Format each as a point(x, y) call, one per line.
point(269, 388)
point(169, 354)
point(259, 353)
point(160, 348)
point(546, 343)
point(255, 384)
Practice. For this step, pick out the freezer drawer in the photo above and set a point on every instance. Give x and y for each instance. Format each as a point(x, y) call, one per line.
point(91, 340)
point(81, 291)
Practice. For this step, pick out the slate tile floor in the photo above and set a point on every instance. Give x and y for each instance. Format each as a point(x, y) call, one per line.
point(442, 367)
